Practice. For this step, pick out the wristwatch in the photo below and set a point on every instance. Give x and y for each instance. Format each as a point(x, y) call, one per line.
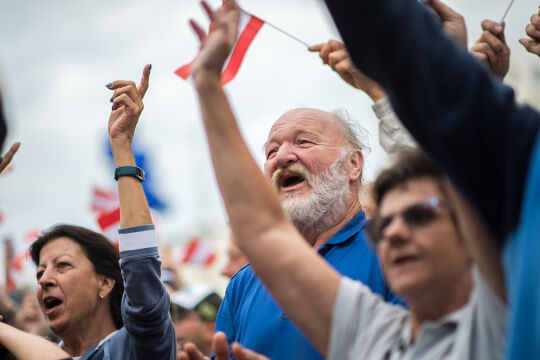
point(129, 171)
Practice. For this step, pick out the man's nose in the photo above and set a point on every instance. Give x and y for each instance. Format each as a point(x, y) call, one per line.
point(285, 156)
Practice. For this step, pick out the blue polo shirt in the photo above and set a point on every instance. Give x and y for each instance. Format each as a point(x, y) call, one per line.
point(249, 315)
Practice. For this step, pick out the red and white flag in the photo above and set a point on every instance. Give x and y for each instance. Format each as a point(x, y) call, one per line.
point(109, 222)
point(104, 199)
point(198, 253)
point(248, 27)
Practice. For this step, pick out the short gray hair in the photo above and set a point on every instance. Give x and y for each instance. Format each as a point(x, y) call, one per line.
point(356, 135)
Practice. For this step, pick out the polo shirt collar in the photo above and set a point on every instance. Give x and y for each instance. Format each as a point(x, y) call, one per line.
point(357, 224)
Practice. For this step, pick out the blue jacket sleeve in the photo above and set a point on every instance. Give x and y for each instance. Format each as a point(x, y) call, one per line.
point(145, 304)
point(467, 121)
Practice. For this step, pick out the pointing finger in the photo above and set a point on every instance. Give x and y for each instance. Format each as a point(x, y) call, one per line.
point(143, 85)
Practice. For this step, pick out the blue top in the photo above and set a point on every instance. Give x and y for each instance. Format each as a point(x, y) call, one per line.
point(249, 315)
point(522, 268)
point(471, 125)
point(148, 331)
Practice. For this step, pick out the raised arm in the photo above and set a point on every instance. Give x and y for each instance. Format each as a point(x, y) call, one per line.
point(300, 281)
point(145, 305)
point(463, 118)
point(26, 346)
point(6, 159)
point(126, 109)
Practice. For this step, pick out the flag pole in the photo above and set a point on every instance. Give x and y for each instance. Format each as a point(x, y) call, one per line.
point(507, 10)
point(282, 31)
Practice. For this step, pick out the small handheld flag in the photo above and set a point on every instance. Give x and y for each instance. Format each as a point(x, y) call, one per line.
point(248, 27)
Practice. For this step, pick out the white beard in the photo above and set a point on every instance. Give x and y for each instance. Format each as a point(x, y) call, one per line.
point(325, 205)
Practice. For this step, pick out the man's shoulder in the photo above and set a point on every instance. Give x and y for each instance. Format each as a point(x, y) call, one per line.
point(244, 280)
point(245, 272)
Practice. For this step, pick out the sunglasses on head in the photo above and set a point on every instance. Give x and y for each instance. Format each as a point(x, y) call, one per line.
point(415, 216)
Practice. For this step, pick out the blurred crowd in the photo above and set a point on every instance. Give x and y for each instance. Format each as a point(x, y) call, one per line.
point(434, 259)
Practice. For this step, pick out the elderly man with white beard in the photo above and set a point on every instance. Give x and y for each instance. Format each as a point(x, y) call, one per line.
point(314, 160)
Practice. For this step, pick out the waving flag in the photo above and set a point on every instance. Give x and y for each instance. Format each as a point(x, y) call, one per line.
point(197, 252)
point(109, 222)
point(248, 27)
point(104, 199)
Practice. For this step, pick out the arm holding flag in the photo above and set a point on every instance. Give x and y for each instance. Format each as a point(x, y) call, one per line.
point(301, 282)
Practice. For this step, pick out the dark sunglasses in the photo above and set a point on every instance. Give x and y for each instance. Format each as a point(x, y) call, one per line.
point(415, 216)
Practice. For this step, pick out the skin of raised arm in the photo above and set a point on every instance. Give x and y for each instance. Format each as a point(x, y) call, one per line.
point(301, 282)
point(6, 159)
point(26, 346)
point(336, 56)
point(127, 107)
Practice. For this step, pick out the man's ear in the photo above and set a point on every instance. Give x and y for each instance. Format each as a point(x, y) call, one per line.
point(106, 286)
point(355, 163)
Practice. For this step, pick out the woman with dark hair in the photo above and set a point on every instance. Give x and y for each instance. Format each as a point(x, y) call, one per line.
point(101, 303)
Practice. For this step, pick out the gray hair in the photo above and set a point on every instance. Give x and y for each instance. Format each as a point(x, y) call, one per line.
point(356, 135)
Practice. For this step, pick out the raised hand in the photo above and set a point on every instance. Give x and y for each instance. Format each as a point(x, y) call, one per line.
point(221, 351)
point(335, 54)
point(6, 159)
point(491, 48)
point(127, 106)
point(532, 43)
point(453, 23)
point(218, 43)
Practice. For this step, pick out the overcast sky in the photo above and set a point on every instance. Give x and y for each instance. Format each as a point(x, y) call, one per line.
point(56, 57)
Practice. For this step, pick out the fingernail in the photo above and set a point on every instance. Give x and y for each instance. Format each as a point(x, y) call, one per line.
point(498, 28)
point(109, 84)
point(150, 67)
point(112, 97)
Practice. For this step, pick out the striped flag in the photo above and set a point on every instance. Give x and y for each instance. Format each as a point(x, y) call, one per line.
point(198, 253)
point(103, 199)
point(109, 222)
point(248, 27)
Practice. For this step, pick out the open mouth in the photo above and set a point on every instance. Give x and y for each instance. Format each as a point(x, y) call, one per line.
point(290, 179)
point(51, 303)
point(403, 260)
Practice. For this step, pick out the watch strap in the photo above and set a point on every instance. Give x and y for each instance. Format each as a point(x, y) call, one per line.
point(129, 171)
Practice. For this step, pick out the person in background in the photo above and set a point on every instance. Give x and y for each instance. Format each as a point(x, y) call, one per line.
point(194, 310)
point(235, 259)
